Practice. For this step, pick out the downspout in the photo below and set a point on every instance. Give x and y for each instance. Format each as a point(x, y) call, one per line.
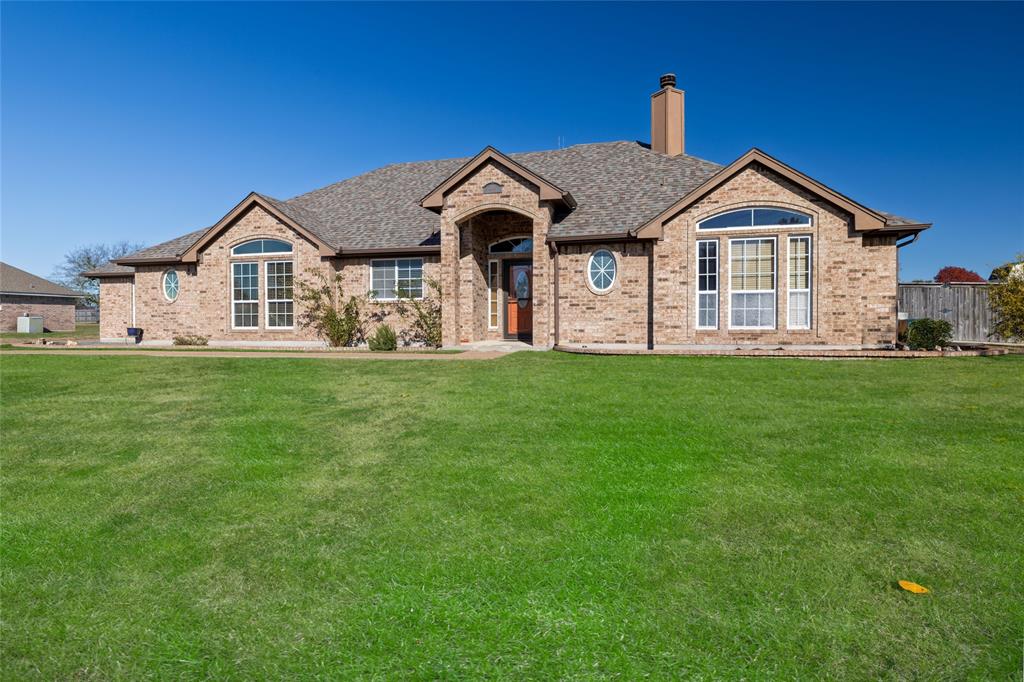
point(650, 296)
point(133, 302)
point(554, 247)
point(899, 245)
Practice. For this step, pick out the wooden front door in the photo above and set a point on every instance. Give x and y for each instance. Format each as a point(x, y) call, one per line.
point(519, 300)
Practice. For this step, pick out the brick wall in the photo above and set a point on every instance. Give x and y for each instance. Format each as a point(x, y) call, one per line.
point(58, 313)
point(618, 315)
point(203, 304)
point(853, 277)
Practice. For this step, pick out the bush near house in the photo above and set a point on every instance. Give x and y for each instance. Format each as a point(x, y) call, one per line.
point(926, 334)
point(383, 339)
point(335, 320)
point(191, 340)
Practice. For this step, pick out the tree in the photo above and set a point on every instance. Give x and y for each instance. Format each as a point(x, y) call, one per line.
point(1006, 296)
point(85, 258)
point(954, 273)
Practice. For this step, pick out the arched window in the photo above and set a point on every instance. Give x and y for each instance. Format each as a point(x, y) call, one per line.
point(516, 245)
point(257, 247)
point(492, 188)
point(755, 217)
point(601, 270)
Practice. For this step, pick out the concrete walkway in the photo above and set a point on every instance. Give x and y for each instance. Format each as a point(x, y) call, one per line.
point(257, 354)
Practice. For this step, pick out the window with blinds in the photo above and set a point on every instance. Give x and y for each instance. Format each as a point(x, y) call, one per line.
point(799, 282)
point(752, 283)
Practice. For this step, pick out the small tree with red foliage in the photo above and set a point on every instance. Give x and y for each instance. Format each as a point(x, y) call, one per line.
point(953, 273)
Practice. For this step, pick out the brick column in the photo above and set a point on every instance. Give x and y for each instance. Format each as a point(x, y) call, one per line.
point(449, 281)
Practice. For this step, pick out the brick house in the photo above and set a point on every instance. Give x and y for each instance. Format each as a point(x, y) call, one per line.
point(609, 244)
point(22, 293)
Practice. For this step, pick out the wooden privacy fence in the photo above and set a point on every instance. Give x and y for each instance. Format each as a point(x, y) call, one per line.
point(965, 306)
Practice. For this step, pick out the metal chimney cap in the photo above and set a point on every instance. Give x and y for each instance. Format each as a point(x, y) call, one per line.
point(668, 80)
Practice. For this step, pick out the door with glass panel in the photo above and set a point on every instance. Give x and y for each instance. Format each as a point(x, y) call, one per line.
point(519, 300)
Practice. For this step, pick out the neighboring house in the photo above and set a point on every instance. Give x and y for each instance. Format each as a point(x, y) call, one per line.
point(24, 293)
point(608, 244)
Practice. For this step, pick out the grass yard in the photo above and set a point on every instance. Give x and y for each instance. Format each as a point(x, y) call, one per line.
point(539, 516)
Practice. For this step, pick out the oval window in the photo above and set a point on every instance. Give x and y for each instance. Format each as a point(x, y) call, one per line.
point(523, 288)
point(171, 285)
point(601, 271)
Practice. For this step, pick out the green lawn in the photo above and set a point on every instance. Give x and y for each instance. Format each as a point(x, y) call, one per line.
point(539, 516)
point(81, 331)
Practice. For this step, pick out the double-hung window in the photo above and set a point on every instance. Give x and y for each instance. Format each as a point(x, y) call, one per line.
point(280, 302)
point(752, 283)
point(396, 277)
point(245, 295)
point(707, 284)
point(800, 282)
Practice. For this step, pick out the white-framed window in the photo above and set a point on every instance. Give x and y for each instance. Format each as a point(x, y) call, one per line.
point(745, 218)
point(389, 277)
point(799, 269)
point(752, 283)
point(493, 294)
point(601, 270)
point(171, 285)
point(707, 284)
point(261, 247)
point(280, 301)
point(245, 295)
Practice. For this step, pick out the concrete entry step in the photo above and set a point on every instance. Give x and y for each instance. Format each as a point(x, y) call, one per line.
point(498, 346)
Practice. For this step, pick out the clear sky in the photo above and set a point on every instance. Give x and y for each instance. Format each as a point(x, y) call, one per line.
point(145, 121)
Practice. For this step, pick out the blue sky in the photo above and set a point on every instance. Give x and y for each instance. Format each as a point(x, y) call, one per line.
point(145, 121)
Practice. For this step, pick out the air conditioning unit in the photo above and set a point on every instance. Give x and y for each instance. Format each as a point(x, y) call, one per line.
point(30, 324)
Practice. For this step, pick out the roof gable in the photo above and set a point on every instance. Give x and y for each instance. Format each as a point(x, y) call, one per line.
point(865, 219)
point(288, 215)
point(434, 199)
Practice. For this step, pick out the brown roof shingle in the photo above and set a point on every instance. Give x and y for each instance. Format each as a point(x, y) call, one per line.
point(618, 186)
point(16, 281)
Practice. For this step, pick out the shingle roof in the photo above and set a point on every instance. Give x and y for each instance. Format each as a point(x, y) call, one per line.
point(892, 220)
point(16, 281)
point(618, 186)
point(110, 269)
point(170, 249)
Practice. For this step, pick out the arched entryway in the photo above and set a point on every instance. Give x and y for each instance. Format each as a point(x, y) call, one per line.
point(497, 283)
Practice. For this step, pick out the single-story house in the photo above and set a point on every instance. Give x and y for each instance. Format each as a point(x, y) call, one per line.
point(623, 244)
point(22, 293)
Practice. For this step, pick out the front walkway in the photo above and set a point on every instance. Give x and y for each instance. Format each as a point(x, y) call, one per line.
point(256, 354)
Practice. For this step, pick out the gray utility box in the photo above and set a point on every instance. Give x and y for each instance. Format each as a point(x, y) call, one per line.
point(30, 324)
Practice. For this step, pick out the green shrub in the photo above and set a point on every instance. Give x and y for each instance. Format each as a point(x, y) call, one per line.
point(191, 340)
point(1006, 296)
point(383, 339)
point(426, 313)
point(926, 334)
point(337, 322)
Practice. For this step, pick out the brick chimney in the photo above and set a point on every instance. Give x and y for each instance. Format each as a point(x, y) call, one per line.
point(667, 115)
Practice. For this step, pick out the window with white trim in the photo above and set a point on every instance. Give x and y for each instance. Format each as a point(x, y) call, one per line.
point(755, 217)
point(394, 276)
point(752, 283)
point(601, 270)
point(492, 293)
point(245, 295)
point(799, 282)
point(707, 284)
point(171, 285)
point(261, 247)
point(280, 301)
